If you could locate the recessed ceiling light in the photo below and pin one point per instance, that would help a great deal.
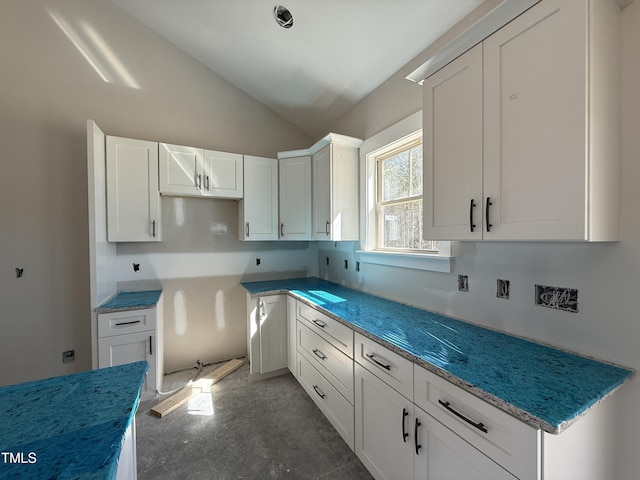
(283, 16)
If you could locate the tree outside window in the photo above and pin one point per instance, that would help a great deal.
(399, 200)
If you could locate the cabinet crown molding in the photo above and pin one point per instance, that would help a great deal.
(495, 19)
(323, 142)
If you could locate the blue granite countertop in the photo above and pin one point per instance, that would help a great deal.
(547, 388)
(69, 427)
(130, 301)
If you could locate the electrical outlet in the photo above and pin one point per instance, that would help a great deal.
(68, 356)
(502, 289)
(557, 298)
(463, 283)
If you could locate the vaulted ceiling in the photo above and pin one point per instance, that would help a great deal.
(336, 52)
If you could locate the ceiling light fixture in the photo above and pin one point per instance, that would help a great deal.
(283, 16)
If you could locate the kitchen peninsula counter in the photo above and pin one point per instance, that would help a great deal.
(78, 426)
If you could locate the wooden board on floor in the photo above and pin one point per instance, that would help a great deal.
(181, 397)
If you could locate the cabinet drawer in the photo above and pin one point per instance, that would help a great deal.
(129, 321)
(334, 332)
(334, 406)
(508, 441)
(390, 367)
(331, 362)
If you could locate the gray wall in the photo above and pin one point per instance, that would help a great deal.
(608, 324)
(47, 91)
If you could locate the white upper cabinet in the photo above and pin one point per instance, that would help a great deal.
(258, 210)
(452, 146)
(189, 171)
(181, 170)
(335, 188)
(295, 198)
(550, 130)
(222, 174)
(133, 200)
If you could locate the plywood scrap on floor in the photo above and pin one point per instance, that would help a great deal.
(203, 384)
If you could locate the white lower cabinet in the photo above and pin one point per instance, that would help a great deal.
(396, 440)
(505, 439)
(335, 407)
(403, 421)
(268, 341)
(383, 420)
(325, 367)
(292, 352)
(132, 336)
(439, 454)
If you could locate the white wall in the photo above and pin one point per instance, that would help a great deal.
(48, 89)
(607, 325)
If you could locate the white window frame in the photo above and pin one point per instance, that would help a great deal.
(404, 130)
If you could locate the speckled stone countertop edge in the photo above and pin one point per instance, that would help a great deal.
(104, 308)
(498, 402)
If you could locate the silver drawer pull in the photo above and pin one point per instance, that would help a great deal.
(480, 426)
(319, 323)
(319, 354)
(318, 391)
(371, 357)
(133, 322)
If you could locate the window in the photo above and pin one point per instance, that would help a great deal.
(392, 201)
(399, 199)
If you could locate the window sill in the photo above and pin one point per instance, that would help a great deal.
(435, 263)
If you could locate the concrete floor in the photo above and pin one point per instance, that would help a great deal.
(268, 429)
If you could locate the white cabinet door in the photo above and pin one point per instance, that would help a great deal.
(133, 347)
(258, 209)
(322, 194)
(274, 345)
(292, 351)
(550, 149)
(335, 192)
(295, 198)
(535, 168)
(383, 428)
(441, 455)
(195, 172)
(452, 146)
(133, 200)
(223, 174)
(181, 170)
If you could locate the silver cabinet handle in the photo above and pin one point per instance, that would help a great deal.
(327, 225)
(150, 345)
(371, 357)
(153, 229)
(247, 228)
(319, 323)
(206, 182)
(319, 392)
(281, 229)
(199, 181)
(319, 354)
